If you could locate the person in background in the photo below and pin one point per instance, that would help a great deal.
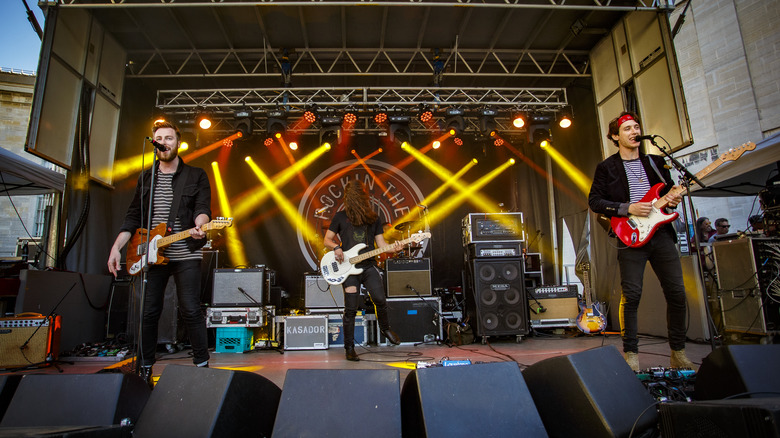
(619, 184)
(721, 227)
(756, 223)
(182, 199)
(704, 229)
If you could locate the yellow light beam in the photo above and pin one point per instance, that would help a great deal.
(247, 204)
(286, 207)
(445, 175)
(430, 199)
(123, 168)
(234, 245)
(291, 159)
(443, 209)
(578, 178)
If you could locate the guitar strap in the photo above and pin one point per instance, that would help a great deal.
(657, 172)
(177, 192)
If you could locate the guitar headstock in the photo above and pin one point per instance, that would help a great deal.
(735, 153)
(219, 223)
(419, 237)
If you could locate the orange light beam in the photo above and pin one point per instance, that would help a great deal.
(291, 159)
(362, 162)
(203, 151)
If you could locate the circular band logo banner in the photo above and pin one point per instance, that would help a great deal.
(393, 195)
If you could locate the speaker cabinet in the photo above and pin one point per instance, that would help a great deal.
(320, 294)
(489, 399)
(496, 301)
(414, 319)
(192, 402)
(8, 385)
(721, 418)
(241, 287)
(76, 399)
(737, 369)
(593, 393)
(339, 403)
(408, 272)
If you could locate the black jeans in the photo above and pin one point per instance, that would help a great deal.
(186, 274)
(372, 280)
(661, 252)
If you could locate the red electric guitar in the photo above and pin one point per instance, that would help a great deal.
(636, 231)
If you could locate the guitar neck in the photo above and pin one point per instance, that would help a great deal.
(167, 240)
(679, 190)
(373, 253)
(586, 287)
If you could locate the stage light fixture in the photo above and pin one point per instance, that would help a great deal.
(399, 130)
(454, 123)
(243, 122)
(330, 132)
(426, 114)
(487, 122)
(436, 144)
(269, 141)
(498, 141)
(518, 119)
(541, 137)
(276, 124)
(204, 120)
(380, 116)
(458, 141)
(310, 115)
(565, 118)
(350, 118)
(293, 145)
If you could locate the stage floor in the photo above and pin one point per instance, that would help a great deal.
(273, 364)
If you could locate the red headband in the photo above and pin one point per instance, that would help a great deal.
(624, 118)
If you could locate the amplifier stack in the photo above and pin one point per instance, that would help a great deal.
(494, 278)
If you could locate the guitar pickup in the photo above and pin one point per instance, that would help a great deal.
(631, 224)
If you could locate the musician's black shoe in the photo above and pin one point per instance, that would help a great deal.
(146, 374)
(351, 355)
(391, 336)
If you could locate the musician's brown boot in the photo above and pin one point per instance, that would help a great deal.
(632, 359)
(351, 355)
(680, 360)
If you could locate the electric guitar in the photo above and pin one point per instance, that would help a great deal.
(636, 231)
(336, 273)
(136, 248)
(591, 319)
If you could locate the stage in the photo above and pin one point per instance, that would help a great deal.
(274, 363)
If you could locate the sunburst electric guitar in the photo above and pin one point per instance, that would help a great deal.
(158, 241)
(591, 319)
(336, 273)
(636, 231)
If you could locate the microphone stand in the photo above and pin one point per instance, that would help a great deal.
(145, 274)
(437, 339)
(686, 177)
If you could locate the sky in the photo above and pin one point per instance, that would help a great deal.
(20, 46)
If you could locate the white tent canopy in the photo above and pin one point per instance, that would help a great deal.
(19, 176)
(745, 176)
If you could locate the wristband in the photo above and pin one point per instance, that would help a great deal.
(336, 247)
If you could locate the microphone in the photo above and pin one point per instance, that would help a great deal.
(161, 147)
(645, 137)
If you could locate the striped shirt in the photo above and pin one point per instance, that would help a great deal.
(638, 183)
(163, 199)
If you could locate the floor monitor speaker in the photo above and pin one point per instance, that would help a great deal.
(737, 369)
(496, 301)
(191, 401)
(489, 399)
(721, 418)
(339, 403)
(593, 393)
(43, 400)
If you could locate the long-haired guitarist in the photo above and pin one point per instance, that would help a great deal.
(182, 199)
(619, 186)
(359, 223)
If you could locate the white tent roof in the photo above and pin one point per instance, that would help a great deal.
(745, 176)
(19, 176)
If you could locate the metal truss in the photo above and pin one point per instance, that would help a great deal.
(604, 5)
(222, 104)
